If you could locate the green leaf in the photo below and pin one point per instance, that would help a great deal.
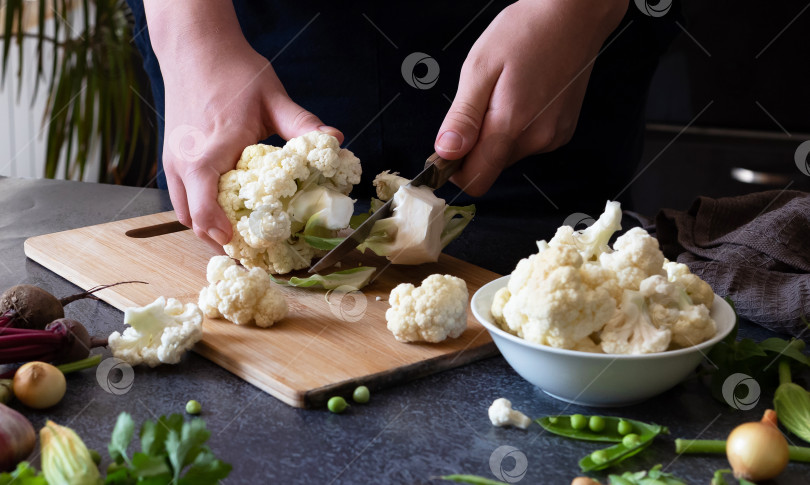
(150, 466)
(787, 348)
(792, 404)
(121, 437)
(206, 470)
(456, 219)
(355, 277)
(358, 219)
(324, 243)
(24, 474)
(183, 449)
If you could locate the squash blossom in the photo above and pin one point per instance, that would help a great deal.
(65, 458)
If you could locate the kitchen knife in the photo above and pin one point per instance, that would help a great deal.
(437, 171)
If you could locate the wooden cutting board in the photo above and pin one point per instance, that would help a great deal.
(324, 347)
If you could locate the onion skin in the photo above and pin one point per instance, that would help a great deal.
(758, 450)
(39, 385)
(17, 438)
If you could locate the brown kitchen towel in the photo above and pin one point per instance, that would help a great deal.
(754, 248)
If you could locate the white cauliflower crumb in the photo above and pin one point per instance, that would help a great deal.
(241, 296)
(502, 414)
(159, 333)
(431, 312)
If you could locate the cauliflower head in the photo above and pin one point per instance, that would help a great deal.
(276, 195)
(502, 414)
(635, 256)
(558, 300)
(672, 308)
(435, 310)
(159, 333)
(241, 296)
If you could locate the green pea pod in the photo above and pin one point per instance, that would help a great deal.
(613, 454)
(472, 479)
(561, 425)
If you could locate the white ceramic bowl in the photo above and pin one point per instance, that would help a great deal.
(591, 379)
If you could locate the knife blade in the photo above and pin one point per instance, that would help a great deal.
(435, 174)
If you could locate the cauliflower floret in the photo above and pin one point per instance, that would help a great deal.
(502, 414)
(631, 331)
(671, 308)
(159, 333)
(556, 300)
(498, 302)
(431, 312)
(388, 183)
(258, 194)
(698, 290)
(636, 256)
(241, 296)
(591, 241)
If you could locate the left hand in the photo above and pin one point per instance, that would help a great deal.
(522, 85)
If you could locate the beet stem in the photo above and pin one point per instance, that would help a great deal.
(98, 342)
(89, 293)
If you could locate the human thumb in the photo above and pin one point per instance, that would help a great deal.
(291, 120)
(462, 124)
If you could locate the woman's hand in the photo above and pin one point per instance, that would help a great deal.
(221, 96)
(522, 85)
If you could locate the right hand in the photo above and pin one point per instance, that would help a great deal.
(218, 103)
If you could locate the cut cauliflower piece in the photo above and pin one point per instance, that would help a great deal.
(388, 183)
(631, 330)
(698, 290)
(431, 312)
(241, 296)
(502, 414)
(557, 300)
(636, 256)
(259, 196)
(593, 240)
(159, 333)
(670, 307)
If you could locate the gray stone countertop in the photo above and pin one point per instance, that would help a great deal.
(407, 434)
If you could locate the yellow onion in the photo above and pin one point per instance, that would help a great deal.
(757, 451)
(39, 385)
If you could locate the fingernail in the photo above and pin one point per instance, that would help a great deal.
(450, 141)
(218, 236)
(327, 129)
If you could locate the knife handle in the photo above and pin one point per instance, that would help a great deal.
(444, 169)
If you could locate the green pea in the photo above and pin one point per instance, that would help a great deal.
(553, 419)
(578, 421)
(337, 404)
(599, 457)
(624, 427)
(193, 407)
(597, 424)
(96, 456)
(361, 395)
(631, 440)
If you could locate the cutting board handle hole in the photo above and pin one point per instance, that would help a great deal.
(156, 230)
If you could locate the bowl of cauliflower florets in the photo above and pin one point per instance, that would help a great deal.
(602, 326)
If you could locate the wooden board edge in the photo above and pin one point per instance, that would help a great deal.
(318, 397)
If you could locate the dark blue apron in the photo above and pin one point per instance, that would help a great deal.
(346, 66)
